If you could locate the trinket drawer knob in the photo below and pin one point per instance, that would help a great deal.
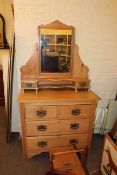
(29, 84)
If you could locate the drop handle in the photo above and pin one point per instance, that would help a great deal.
(42, 127)
(73, 141)
(75, 111)
(42, 144)
(74, 126)
(41, 113)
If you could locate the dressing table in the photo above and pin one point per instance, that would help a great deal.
(57, 108)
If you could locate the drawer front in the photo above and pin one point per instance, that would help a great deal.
(41, 143)
(79, 140)
(28, 84)
(40, 112)
(41, 127)
(62, 126)
(75, 111)
(47, 142)
(74, 126)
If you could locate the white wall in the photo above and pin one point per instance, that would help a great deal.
(96, 34)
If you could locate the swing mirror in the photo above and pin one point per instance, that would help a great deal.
(56, 48)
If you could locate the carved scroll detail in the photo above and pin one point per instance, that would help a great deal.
(31, 69)
(79, 69)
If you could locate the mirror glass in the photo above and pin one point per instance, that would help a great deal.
(55, 50)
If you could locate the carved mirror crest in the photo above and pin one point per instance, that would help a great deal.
(3, 41)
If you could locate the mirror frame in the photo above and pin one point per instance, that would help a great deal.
(58, 26)
(5, 43)
(33, 79)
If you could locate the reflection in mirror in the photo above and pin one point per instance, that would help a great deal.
(55, 50)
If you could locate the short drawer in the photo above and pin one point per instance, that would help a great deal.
(40, 112)
(75, 111)
(29, 84)
(41, 127)
(74, 126)
(79, 140)
(41, 143)
(60, 126)
(46, 142)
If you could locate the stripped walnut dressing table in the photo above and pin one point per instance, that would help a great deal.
(54, 112)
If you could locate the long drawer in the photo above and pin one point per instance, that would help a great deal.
(46, 142)
(40, 112)
(60, 126)
(75, 111)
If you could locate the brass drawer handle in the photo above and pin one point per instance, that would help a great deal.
(41, 113)
(74, 126)
(76, 111)
(73, 141)
(29, 84)
(42, 144)
(42, 127)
